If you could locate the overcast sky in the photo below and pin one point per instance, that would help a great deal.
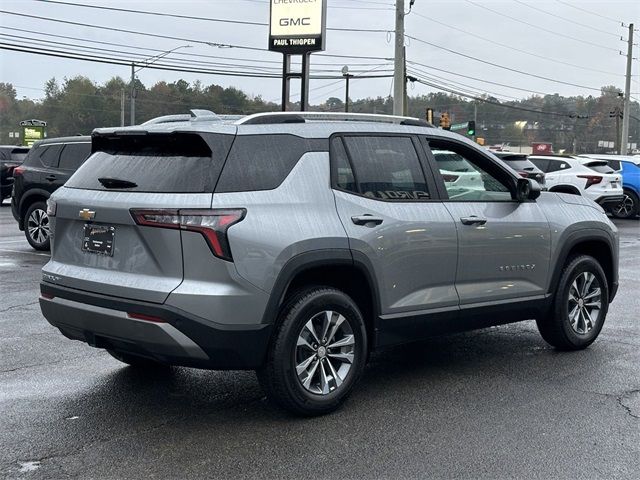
(573, 41)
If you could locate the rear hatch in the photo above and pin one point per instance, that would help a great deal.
(98, 246)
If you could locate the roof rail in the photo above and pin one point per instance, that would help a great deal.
(302, 117)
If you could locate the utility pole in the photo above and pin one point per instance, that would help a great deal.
(626, 113)
(122, 107)
(399, 65)
(133, 94)
(475, 118)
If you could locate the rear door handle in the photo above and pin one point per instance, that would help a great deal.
(473, 220)
(366, 219)
(51, 178)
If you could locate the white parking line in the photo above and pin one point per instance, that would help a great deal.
(22, 251)
(12, 241)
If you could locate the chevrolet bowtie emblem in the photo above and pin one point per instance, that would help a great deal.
(86, 214)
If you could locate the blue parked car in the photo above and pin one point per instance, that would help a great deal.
(629, 167)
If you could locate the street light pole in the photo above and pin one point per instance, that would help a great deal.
(146, 63)
(347, 76)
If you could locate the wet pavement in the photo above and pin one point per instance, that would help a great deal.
(486, 404)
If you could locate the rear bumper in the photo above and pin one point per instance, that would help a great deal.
(177, 338)
(609, 200)
(14, 212)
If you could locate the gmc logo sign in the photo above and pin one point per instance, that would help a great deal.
(295, 22)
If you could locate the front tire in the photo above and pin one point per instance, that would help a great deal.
(317, 354)
(36, 226)
(579, 307)
(628, 207)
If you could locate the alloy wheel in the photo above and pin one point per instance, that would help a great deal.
(584, 303)
(325, 352)
(625, 207)
(38, 226)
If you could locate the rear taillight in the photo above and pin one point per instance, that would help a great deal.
(146, 318)
(450, 178)
(212, 224)
(591, 179)
(52, 206)
(523, 174)
(18, 171)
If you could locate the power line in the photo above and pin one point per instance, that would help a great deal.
(181, 53)
(192, 17)
(590, 12)
(553, 32)
(491, 102)
(501, 66)
(510, 47)
(476, 78)
(157, 66)
(556, 16)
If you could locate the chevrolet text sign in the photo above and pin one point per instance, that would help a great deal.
(297, 26)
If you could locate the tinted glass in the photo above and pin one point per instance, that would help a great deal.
(49, 155)
(556, 165)
(342, 170)
(451, 162)
(600, 168)
(469, 185)
(73, 155)
(541, 163)
(615, 164)
(387, 168)
(521, 165)
(262, 162)
(176, 163)
(18, 154)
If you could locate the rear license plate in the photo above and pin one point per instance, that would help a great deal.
(98, 239)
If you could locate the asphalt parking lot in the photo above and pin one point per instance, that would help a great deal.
(493, 403)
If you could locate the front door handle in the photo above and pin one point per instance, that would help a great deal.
(366, 219)
(473, 220)
(51, 178)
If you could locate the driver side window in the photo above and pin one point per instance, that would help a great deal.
(464, 179)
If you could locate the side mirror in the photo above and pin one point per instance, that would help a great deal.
(527, 189)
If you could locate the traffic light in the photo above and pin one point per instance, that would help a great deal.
(445, 122)
(471, 128)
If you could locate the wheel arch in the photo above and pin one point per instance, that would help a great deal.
(334, 268)
(595, 243)
(29, 198)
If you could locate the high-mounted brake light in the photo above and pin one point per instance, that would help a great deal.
(591, 179)
(212, 224)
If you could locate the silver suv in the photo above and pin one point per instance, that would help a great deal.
(296, 244)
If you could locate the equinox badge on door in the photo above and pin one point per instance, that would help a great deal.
(86, 214)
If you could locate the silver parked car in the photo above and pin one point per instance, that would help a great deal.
(296, 244)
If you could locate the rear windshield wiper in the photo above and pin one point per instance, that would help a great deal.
(116, 183)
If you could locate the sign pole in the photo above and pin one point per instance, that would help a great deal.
(286, 68)
(304, 83)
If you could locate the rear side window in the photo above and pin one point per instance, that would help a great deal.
(181, 163)
(386, 168)
(49, 155)
(615, 164)
(556, 165)
(73, 155)
(262, 162)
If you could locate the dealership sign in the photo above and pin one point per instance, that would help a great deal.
(297, 26)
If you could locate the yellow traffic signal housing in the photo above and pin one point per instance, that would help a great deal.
(445, 122)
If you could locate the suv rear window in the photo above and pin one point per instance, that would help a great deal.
(179, 163)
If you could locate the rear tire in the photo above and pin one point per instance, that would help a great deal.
(305, 372)
(629, 207)
(36, 226)
(136, 361)
(579, 307)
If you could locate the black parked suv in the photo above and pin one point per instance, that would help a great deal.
(11, 156)
(46, 168)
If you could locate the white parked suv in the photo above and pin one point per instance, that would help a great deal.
(581, 176)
